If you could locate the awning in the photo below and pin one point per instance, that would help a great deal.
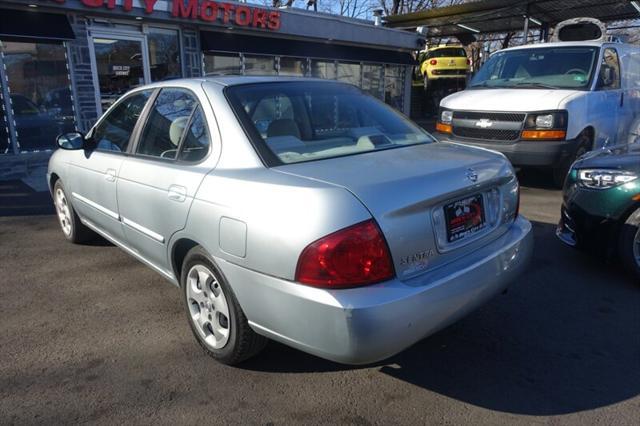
(497, 16)
(226, 42)
(32, 26)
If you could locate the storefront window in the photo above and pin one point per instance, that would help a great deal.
(40, 93)
(323, 69)
(372, 80)
(349, 72)
(222, 63)
(5, 143)
(164, 54)
(293, 66)
(259, 65)
(394, 86)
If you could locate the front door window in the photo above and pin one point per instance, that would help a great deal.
(115, 130)
(120, 66)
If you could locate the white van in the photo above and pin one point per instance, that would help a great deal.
(543, 105)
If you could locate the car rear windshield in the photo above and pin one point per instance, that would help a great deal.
(448, 52)
(293, 122)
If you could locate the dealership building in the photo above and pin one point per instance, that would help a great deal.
(63, 62)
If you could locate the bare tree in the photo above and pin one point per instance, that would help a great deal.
(398, 7)
(280, 3)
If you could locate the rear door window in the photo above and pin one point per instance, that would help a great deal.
(196, 143)
(166, 124)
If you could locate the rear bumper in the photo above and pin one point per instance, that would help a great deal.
(527, 153)
(368, 324)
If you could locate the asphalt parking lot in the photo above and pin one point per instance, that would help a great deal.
(91, 335)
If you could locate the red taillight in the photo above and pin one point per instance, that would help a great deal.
(354, 256)
(468, 61)
(433, 62)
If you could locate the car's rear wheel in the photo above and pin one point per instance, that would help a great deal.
(630, 243)
(425, 81)
(215, 316)
(72, 228)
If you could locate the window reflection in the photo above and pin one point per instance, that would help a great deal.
(372, 80)
(323, 69)
(40, 94)
(166, 123)
(293, 66)
(222, 63)
(394, 86)
(259, 65)
(120, 67)
(164, 54)
(349, 73)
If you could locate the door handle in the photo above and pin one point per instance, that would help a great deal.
(177, 193)
(110, 175)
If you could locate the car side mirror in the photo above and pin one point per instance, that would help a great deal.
(71, 141)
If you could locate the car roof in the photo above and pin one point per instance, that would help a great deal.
(559, 44)
(234, 80)
(446, 46)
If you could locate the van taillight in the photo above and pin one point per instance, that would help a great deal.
(354, 256)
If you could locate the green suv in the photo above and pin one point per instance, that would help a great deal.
(601, 204)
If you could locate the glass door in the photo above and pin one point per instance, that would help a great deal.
(121, 63)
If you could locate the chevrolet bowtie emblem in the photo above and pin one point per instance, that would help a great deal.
(484, 123)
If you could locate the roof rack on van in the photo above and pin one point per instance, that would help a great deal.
(580, 29)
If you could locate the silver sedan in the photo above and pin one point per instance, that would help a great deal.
(298, 210)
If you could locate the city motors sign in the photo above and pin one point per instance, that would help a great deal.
(205, 10)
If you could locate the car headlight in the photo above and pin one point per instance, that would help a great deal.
(547, 120)
(550, 125)
(544, 121)
(446, 116)
(604, 178)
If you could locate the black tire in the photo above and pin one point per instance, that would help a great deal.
(630, 244)
(425, 82)
(76, 232)
(243, 343)
(583, 145)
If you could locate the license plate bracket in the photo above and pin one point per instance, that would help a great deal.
(464, 217)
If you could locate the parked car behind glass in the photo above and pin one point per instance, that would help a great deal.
(298, 210)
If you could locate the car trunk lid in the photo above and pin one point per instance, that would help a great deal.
(406, 190)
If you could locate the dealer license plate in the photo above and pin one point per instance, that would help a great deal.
(464, 217)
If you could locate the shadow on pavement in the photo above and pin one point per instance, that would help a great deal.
(536, 178)
(565, 338)
(19, 199)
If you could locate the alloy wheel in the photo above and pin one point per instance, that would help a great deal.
(208, 307)
(64, 214)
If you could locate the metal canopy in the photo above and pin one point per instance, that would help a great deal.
(499, 16)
